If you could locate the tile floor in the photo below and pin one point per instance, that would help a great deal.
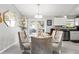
(68, 47)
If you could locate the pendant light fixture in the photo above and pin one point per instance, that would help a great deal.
(65, 17)
(38, 14)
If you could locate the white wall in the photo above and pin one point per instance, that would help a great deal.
(8, 35)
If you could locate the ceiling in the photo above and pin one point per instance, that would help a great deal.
(48, 10)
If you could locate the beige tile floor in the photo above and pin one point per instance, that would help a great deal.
(68, 47)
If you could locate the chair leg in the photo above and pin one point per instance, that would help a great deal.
(26, 52)
(56, 51)
(59, 51)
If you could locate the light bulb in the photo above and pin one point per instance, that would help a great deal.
(38, 16)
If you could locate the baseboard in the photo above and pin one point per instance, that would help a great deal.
(8, 47)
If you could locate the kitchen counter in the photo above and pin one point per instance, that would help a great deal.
(69, 29)
(66, 32)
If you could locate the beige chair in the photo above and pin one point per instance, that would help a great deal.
(41, 45)
(25, 45)
(57, 37)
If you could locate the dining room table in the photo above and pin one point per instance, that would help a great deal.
(41, 44)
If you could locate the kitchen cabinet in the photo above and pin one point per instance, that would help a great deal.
(59, 21)
(76, 21)
(74, 35)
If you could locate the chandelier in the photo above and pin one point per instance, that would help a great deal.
(38, 15)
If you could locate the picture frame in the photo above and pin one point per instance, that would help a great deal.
(49, 22)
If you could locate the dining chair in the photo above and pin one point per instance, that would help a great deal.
(25, 45)
(57, 37)
(41, 45)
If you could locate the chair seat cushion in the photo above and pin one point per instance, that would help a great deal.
(55, 44)
(27, 46)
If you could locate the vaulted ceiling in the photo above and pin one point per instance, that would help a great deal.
(48, 10)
